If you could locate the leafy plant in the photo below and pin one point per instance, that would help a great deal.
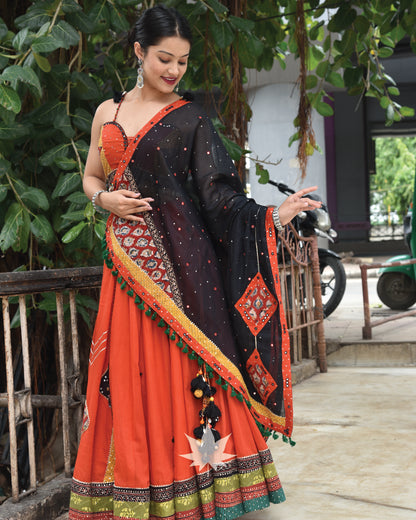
(60, 58)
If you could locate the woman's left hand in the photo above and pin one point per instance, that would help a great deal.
(296, 203)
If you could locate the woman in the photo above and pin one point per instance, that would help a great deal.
(190, 331)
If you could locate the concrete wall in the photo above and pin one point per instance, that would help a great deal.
(273, 97)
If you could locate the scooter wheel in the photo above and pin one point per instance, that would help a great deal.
(396, 290)
(333, 281)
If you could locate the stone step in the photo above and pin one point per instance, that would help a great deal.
(374, 354)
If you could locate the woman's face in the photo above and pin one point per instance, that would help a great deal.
(164, 64)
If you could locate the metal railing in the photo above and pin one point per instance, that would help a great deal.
(302, 297)
(368, 323)
(20, 403)
(301, 292)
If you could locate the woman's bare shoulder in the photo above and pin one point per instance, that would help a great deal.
(105, 111)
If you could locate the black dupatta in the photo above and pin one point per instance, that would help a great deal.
(205, 268)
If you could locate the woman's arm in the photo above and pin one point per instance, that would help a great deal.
(123, 203)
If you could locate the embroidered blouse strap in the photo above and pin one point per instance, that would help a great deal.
(119, 104)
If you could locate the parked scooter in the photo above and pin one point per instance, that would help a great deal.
(396, 287)
(317, 222)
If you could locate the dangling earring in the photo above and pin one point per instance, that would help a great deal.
(140, 81)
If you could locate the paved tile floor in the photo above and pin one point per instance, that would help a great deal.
(355, 456)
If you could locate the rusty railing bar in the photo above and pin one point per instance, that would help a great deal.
(64, 382)
(43, 401)
(75, 382)
(48, 280)
(28, 385)
(319, 311)
(368, 325)
(11, 403)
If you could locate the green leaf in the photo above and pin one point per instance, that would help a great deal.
(13, 130)
(65, 163)
(81, 21)
(232, 148)
(222, 33)
(10, 99)
(311, 81)
(16, 73)
(353, 76)
(342, 19)
(99, 228)
(241, 24)
(74, 216)
(118, 21)
(35, 198)
(36, 16)
(15, 231)
(248, 49)
(324, 109)
(394, 91)
(20, 38)
(85, 86)
(78, 197)
(46, 44)
(66, 184)
(70, 6)
(49, 157)
(348, 40)
(335, 79)
(322, 69)
(315, 30)
(63, 122)
(3, 29)
(73, 233)
(100, 17)
(42, 62)
(42, 229)
(362, 24)
(262, 173)
(65, 34)
(217, 6)
(384, 102)
(385, 52)
(407, 111)
(3, 193)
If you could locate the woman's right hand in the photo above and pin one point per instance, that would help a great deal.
(125, 204)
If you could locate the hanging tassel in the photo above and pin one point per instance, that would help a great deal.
(212, 411)
(199, 385)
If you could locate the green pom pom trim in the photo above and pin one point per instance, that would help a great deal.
(130, 292)
(161, 323)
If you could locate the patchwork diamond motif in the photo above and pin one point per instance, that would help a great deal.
(260, 377)
(256, 305)
(137, 241)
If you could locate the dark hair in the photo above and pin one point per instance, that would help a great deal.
(159, 22)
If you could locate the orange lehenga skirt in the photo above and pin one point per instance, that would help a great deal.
(135, 459)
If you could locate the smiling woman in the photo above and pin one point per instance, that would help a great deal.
(190, 330)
